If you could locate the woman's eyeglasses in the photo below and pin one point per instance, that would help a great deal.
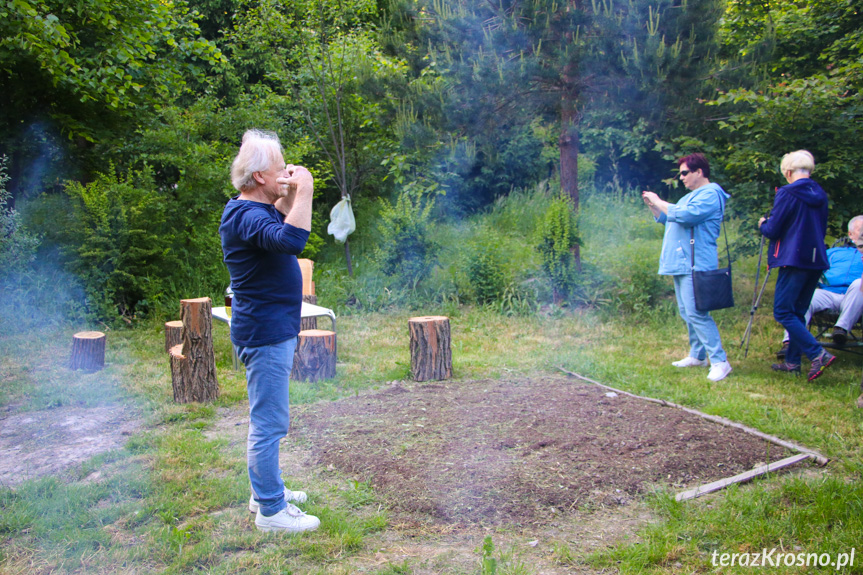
(685, 172)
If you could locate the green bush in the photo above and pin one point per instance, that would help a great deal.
(519, 298)
(485, 268)
(17, 246)
(520, 211)
(558, 234)
(637, 287)
(117, 242)
(26, 277)
(405, 251)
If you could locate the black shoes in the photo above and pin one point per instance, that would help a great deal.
(780, 355)
(786, 367)
(840, 336)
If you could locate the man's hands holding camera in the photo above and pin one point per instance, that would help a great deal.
(296, 201)
(299, 179)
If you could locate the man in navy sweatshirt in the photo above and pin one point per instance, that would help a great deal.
(263, 229)
(796, 229)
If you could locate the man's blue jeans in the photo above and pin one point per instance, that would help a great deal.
(268, 369)
(704, 340)
(794, 289)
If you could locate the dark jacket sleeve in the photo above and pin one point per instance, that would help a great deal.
(774, 227)
(272, 236)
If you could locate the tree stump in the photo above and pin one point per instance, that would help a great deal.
(431, 356)
(88, 351)
(308, 323)
(307, 267)
(315, 358)
(193, 362)
(173, 334)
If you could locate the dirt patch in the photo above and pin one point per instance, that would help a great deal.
(39, 443)
(518, 451)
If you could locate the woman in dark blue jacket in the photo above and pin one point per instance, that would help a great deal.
(796, 228)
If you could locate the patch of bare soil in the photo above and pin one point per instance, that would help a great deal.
(518, 451)
(39, 443)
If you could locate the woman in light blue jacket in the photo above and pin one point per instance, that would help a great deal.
(698, 213)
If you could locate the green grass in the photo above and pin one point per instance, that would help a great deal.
(179, 495)
(173, 499)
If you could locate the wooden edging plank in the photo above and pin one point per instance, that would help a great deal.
(741, 478)
(803, 452)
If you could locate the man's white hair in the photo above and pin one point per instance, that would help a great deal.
(856, 223)
(799, 161)
(257, 153)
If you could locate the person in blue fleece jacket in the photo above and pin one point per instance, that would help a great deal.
(796, 228)
(263, 229)
(698, 215)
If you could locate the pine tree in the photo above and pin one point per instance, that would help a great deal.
(558, 58)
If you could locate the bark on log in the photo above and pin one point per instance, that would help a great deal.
(431, 355)
(88, 351)
(193, 362)
(315, 358)
(178, 362)
(308, 323)
(173, 334)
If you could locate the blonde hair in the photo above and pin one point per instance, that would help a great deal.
(257, 153)
(799, 161)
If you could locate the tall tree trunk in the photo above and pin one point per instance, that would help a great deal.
(348, 258)
(568, 143)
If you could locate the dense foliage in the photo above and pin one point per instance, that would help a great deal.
(17, 246)
(802, 89)
(558, 235)
(120, 121)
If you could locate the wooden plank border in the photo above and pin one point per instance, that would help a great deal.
(741, 478)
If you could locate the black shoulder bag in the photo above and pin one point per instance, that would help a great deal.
(712, 288)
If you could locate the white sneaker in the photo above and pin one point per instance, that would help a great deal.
(719, 371)
(289, 519)
(689, 361)
(296, 496)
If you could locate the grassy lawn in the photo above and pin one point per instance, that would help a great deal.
(173, 497)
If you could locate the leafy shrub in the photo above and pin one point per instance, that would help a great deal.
(558, 234)
(643, 288)
(594, 286)
(405, 251)
(17, 246)
(485, 269)
(520, 211)
(365, 291)
(118, 243)
(23, 305)
(26, 281)
(519, 299)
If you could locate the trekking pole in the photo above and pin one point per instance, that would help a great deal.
(756, 297)
(752, 313)
(758, 271)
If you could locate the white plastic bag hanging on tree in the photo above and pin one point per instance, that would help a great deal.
(342, 222)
